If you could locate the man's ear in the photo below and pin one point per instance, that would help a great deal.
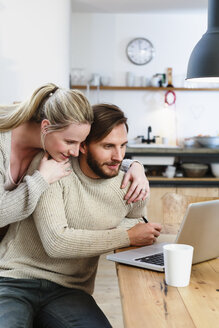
(83, 148)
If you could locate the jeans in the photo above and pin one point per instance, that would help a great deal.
(36, 303)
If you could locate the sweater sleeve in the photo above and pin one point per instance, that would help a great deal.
(138, 210)
(126, 163)
(18, 204)
(61, 241)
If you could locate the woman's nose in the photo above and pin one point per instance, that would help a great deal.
(74, 151)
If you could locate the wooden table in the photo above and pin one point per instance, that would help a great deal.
(148, 302)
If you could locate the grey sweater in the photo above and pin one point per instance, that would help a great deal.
(75, 221)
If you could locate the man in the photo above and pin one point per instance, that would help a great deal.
(78, 218)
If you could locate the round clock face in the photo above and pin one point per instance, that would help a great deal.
(140, 51)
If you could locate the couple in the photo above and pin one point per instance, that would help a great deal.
(49, 261)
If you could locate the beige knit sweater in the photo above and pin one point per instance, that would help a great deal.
(75, 221)
(19, 203)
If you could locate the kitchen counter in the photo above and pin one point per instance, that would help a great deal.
(174, 151)
(181, 155)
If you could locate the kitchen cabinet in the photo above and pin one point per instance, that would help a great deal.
(181, 155)
(158, 196)
(200, 189)
(154, 204)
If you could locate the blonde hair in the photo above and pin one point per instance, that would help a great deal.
(58, 105)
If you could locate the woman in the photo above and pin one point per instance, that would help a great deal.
(48, 262)
(23, 128)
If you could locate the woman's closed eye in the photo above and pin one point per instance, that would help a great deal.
(71, 142)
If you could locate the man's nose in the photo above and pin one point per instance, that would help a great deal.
(118, 155)
(74, 151)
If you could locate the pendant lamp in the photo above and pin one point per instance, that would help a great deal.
(203, 64)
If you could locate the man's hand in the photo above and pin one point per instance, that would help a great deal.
(139, 188)
(143, 234)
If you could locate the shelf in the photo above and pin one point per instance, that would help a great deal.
(183, 182)
(206, 179)
(124, 88)
(207, 152)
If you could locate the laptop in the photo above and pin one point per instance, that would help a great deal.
(199, 228)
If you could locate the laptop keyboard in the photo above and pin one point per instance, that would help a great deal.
(152, 259)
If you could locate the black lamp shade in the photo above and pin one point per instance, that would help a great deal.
(204, 61)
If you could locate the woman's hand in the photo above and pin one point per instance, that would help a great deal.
(139, 188)
(52, 170)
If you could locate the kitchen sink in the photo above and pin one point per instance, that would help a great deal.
(152, 160)
(155, 160)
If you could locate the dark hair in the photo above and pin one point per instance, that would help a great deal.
(106, 117)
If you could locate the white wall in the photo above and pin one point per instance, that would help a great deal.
(98, 45)
(34, 46)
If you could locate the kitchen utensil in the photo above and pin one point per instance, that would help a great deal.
(209, 142)
(130, 79)
(144, 81)
(169, 172)
(215, 169)
(169, 77)
(194, 170)
(155, 80)
(105, 80)
(77, 76)
(178, 264)
(158, 80)
(190, 143)
(165, 141)
(95, 80)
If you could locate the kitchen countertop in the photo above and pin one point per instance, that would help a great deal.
(171, 150)
(181, 154)
(201, 155)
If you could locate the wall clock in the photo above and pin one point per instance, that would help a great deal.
(140, 51)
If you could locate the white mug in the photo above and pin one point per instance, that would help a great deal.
(170, 171)
(177, 263)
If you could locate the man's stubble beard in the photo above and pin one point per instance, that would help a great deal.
(97, 168)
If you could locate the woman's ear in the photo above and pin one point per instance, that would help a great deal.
(83, 148)
(44, 125)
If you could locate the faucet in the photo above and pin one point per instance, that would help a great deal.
(148, 140)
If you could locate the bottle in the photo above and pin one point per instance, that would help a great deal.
(169, 77)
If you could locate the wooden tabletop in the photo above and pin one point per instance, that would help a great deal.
(148, 302)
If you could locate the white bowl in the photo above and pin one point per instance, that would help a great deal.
(190, 143)
(215, 169)
(209, 142)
